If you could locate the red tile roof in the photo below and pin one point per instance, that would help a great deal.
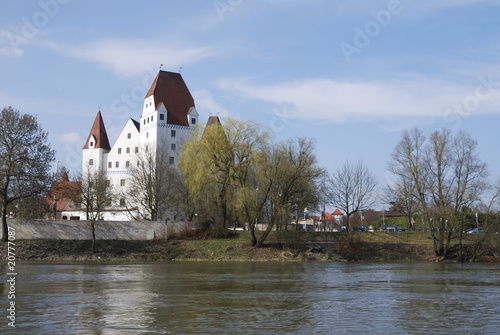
(99, 131)
(65, 191)
(337, 212)
(170, 89)
(328, 216)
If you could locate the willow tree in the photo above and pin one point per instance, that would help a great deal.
(215, 163)
(25, 161)
(287, 174)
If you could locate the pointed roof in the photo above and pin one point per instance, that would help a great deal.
(170, 89)
(99, 131)
(337, 212)
(213, 120)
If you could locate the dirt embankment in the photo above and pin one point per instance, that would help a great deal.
(218, 250)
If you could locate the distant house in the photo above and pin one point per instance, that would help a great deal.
(63, 196)
(338, 215)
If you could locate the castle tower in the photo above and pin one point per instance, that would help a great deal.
(96, 146)
(167, 114)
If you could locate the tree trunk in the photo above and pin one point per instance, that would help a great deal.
(253, 238)
(92, 228)
(4, 223)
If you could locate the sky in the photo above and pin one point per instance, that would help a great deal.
(350, 74)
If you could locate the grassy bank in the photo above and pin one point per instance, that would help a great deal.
(282, 246)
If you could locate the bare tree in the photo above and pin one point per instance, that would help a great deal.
(351, 188)
(95, 194)
(153, 182)
(25, 160)
(447, 174)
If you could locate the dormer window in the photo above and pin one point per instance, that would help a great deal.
(91, 143)
(162, 117)
(193, 120)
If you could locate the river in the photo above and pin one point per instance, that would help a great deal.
(254, 298)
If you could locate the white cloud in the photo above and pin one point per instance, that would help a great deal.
(72, 139)
(206, 103)
(130, 57)
(412, 96)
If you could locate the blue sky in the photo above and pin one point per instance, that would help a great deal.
(351, 74)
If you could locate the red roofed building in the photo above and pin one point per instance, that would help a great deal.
(168, 113)
(63, 195)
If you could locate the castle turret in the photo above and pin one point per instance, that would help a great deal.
(96, 146)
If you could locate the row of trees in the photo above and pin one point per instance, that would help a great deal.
(236, 172)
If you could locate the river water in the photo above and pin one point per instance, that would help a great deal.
(254, 298)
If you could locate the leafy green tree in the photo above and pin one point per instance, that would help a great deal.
(26, 158)
(216, 162)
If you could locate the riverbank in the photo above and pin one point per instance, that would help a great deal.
(233, 249)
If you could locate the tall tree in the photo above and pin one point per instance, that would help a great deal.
(95, 194)
(351, 188)
(216, 163)
(447, 175)
(287, 176)
(25, 161)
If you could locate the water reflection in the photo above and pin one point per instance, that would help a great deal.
(250, 298)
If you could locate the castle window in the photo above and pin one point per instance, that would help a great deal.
(129, 135)
(117, 164)
(147, 135)
(128, 150)
(151, 118)
(171, 160)
(136, 150)
(162, 117)
(144, 121)
(91, 161)
(122, 182)
(172, 133)
(127, 164)
(122, 202)
(110, 165)
(91, 143)
(172, 146)
(119, 151)
(193, 120)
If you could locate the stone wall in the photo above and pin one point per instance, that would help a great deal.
(105, 230)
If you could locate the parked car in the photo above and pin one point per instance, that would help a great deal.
(476, 230)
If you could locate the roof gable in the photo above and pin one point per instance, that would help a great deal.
(170, 89)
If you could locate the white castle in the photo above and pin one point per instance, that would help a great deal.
(168, 114)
